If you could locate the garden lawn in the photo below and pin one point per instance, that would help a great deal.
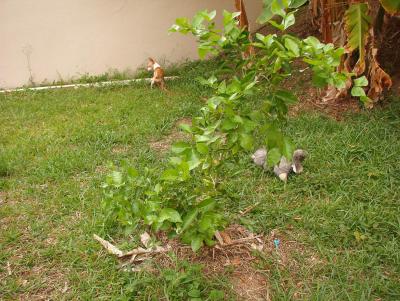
(338, 223)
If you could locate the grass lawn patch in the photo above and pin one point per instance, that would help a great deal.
(338, 223)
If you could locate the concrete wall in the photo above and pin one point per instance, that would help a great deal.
(49, 40)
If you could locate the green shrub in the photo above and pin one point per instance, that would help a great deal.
(187, 198)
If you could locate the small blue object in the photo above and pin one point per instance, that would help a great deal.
(276, 243)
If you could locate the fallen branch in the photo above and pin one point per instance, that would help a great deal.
(140, 251)
(109, 246)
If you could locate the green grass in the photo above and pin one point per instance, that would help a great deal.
(55, 147)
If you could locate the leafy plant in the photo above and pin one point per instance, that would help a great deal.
(357, 23)
(359, 36)
(186, 199)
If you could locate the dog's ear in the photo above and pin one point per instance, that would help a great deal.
(151, 60)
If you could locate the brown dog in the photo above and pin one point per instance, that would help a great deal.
(158, 73)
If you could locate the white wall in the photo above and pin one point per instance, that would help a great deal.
(60, 39)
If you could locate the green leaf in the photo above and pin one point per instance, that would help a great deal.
(266, 13)
(194, 293)
(319, 79)
(313, 42)
(202, 138)
(211, 15)
(288, 20)
(246, 141)
(202, 148)
(183, 22)
(133, 173)
(274, 138)
(274, 156)
(271, 8)
(288, 148)
(194, 160)
(228, 18)
(170, 175)
(297, 3)
(366, 101)
(175, 160)
(276, 25)
(189, 218)
(249, 125)
(228, 124)
(214, 102)
(222, 87)
(205, 223)
(197, 243)
(361, 82)
(202, 52)
(149, 219)
(357, 91)
(216, 295)
(357, 23)
(157, 188)
(116, 178)
(278, 7)
(184, 170)
(185, 127)
(180, 147)
(292, 46)
(206, 205)
(286, 96)
(260, 36)
(237, 119)
(391, 6)
(169, 214)
(198, 19)
(339, 80)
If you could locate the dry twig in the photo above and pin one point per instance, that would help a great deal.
(109, 246)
